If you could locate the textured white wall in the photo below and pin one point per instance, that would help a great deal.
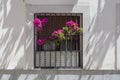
(101, 47)
(118, 34)
(12, 34)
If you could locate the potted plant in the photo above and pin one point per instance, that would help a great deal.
(58, 35)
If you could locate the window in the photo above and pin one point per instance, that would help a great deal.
(69, 53)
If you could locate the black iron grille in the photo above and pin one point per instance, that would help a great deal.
(69, 54)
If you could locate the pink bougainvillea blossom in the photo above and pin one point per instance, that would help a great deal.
(44, 21)
(37, 22)
(55, 33)
(60, 31)
(75, 29)
(58, 35)
(71, 24)
(40, 23)
(40, 42)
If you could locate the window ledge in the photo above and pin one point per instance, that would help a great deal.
(56, 71)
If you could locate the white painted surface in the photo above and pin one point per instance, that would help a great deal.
(118, 34)
(50, 2)
(101, 43)
(12, 34)
(57, 75)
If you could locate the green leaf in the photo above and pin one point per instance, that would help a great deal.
(65, 29)
(61, 36)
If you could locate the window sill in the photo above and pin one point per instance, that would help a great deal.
(60, 72)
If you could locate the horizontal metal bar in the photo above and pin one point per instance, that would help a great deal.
(58, 14)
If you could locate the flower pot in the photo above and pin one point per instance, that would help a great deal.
(49, 46)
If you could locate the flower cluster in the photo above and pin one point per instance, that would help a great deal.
(71, 24)
(58, 35)
(39, 23)
(72, 28)
(43, 41)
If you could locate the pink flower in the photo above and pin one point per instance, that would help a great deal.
(55, 33)
(40, 42)
(71, 23)
(37, 22)
(44, 21)
(60, 31)
(77, 28)
(76, 24)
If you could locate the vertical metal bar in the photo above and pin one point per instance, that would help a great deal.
(55, 46)
(42, 16)
(50, 47)
(50, 57)
(60, 56)
(65, 62)
(71, 46)
(35, 43)
(77, 51)
(40, 47)
(39, 59)
(66, 48)
(76, 46)
(60, 45)
(79, 41)
(44, 58)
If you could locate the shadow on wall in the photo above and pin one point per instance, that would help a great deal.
(53, 77)
(50, 77)
(118, 33)
(12, 34)
(27, 77)
(101, 42)
(56, 76)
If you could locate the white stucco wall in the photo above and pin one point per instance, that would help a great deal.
(12, 34)
(100, 37)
